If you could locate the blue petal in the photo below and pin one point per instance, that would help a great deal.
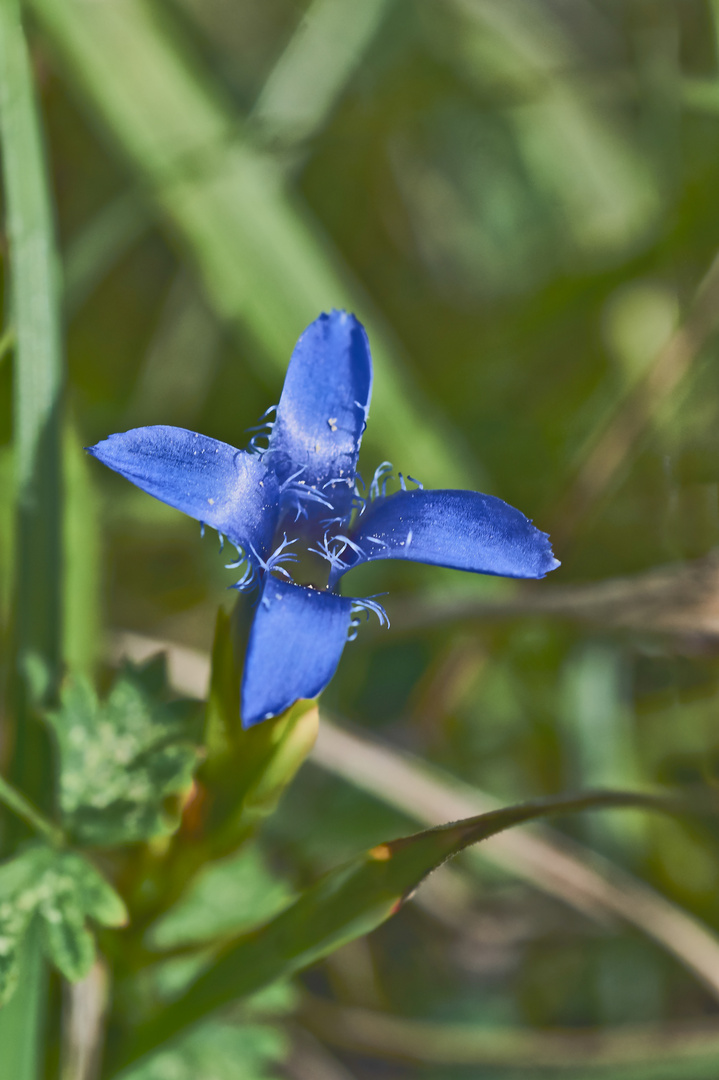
(228, 489)
(322, 412)
(295, 645)
(460, 529)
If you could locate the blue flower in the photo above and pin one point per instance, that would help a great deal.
(302, 492)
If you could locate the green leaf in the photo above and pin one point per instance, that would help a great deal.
(226, 897)
(60, 890)
(23, 1016)
(345, 904)
(97, 897)
(218, 1051)
(39, 369)
(121, 759)
(307, 80)
(68, 944)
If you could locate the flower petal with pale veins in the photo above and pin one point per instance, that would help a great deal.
(323, 410)
(295, 645)
(228, 489)
(460, 529)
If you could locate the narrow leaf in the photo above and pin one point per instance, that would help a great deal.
(345, 904)
(226, 897)
(219, 1051)
(39, 367)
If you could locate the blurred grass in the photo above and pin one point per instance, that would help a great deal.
(519, 199)
(262, 260)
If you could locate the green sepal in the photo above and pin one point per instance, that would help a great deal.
(250, 768)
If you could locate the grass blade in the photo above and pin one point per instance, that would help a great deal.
(308, 78)
(23, 1017)
(39, 364)
(38, 385)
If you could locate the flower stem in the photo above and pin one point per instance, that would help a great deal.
(7, 342)
(24, 809)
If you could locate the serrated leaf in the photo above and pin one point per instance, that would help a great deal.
(98, 898)
(121, 759)
(60, 890)
(347, 903)
(66, 941)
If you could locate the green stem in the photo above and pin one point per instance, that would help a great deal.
(7, 341)
(24, 809)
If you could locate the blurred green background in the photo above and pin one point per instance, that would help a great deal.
(518, 198)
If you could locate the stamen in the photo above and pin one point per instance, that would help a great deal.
(367, 605)
(241, 557)
(262, 430)
(332, 521)
(279, 555)
(382, 472)
(248, 579)
(325, 552)
(272, 408)
(290, 479)
(302, 492)
(253, 446)
(364, 409)
(349, 544)
(382, 476)
(337, 480)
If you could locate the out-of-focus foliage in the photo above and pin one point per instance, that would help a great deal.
(518, 198)
(216, 1051)
(61, 890)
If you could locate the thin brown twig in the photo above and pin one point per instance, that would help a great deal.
(84, 1012)
(368, 1031)
(679, 601)
(545, 858)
